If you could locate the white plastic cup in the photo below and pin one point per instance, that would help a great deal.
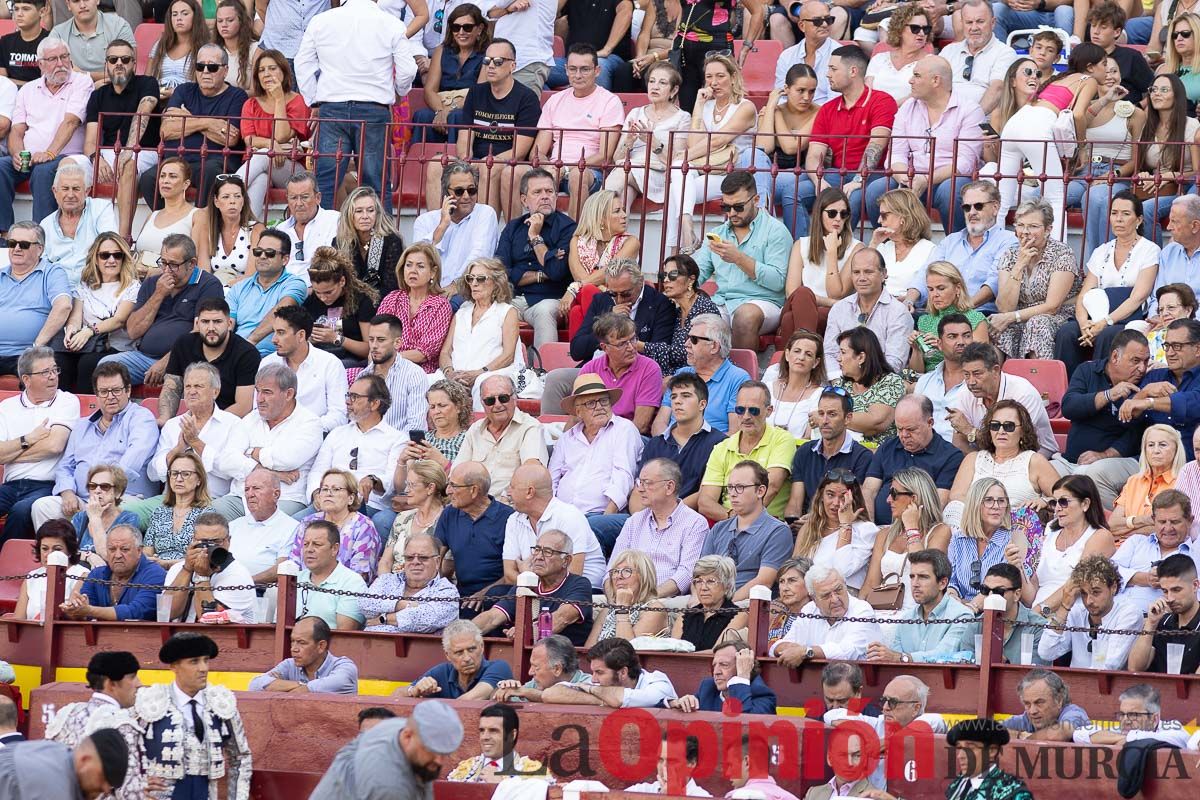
(1027, 648)
(163, 606)
(1175, 658)
(1099, 652)
(978, 648)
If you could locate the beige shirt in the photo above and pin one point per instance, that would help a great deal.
(521, 441)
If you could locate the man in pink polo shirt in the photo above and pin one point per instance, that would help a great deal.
(48, 122)
(623, 367)
(574, 126)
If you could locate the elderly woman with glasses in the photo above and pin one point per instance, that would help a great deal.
(838, 532)
(424, 485)
(630, 592)
(714, 618)
(985, 537)
(1162, 460)
(104, 299)
(791, 597)
(427, 601)
(338, 500)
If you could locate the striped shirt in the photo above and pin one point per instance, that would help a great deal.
(673, 549)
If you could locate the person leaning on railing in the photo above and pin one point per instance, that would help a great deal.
(55, 536)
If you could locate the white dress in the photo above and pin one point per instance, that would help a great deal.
(900, 274)
(1013, 474)
(1054, 566)
(650, 182)
(101, 304)
(813, 275)
(150, 239)
(792, 417)
(889, 80)
(852, 560)
(35, 588)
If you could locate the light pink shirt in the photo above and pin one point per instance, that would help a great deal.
(960, 120)
(587, 115)
(770, 789)
(43, 111)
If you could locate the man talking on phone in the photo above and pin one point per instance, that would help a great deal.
(217, 582)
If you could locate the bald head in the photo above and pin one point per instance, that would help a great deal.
(914, 422)
(535, 477)
(469, 485)
(932, 80)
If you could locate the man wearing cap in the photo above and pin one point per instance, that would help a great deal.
(194, 733)
(113, 679)
(398, 759)
(594, 463)
(45, 769)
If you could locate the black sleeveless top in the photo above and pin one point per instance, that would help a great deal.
(704, 631)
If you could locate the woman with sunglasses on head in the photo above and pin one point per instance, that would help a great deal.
(795, 382)
(341, 306)
(1077, 530)
(874, 387)
(178, 214)
(908, 37)
(106, 484)
(681, 285)
(173, 56)
(173, 524)
(483, 336)
(947, 292)
(916, 525)
(103, 300)
(424, 485)
(838, 532)
(984, 537)
(706, 29)
(275, 120)
(421, 305)
(227, 232)
(821, 260)
(233, 29)
(630, 590)
(454, 67)
(651, 133)
(367, 236)
(790, 599)
(600, 238)
(1021, 83)
(1163, 457)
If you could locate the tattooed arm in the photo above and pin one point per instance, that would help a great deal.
(168, 399)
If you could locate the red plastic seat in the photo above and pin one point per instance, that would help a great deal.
(556, 355)
(88, 404)
(10, 383)
(16, 558)
(151, 405)
(146, 36)
(747, 360)
(1048, 377)
(758, 73)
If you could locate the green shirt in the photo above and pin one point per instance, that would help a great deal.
(769, 244)
(775, 450)
(928, 323)
(887, 390)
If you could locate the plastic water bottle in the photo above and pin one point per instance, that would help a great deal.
(545, 626)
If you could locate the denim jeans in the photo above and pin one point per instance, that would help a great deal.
(41, 181)
(356, 128)
(558, 72)
(945, 200)
(16, 499)
(607, 528)
(135, 361)
(1008, 20)
(423, 118)
(797, 199)
(1137, 30)
(1093, 198)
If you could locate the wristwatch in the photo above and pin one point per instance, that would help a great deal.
(25, 445)
(383, 619)
(534, 241)
(809, 653)
(971, 436)
(905, 658)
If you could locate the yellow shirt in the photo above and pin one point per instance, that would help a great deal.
(774, 451)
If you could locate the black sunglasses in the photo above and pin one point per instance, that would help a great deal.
(821, 22)
(834, 213)
(488, 61)
(694, 339)
(742, 411)
(737, 208)
(968, 68)
(502, 399)
(1061, 502)
(264, 252)
(438, 16)
(894, 493)
(919, 29)
(1184, 33)
(462, 27)
(107, 254)
(206, 67)
(1007, 427)
(673, 275)
(969, 207)
(119, 59)
(20, 245)
(459, 191)
(1000, 590)
(841, 475)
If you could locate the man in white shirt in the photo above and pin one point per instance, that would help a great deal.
(618, 681)
(406, 382)
(529, 25)
(1138, 717)
(353, 62)
(203, 429)
(673, 771)
(308, 225)
(280, 435)
(816, 23)
(980, 60)
(263, 537)
(538, 510)
(218, 582)
(367, 446)
(816, 638)
(1089, 600)
(463, 229)
(985, 386)
(34, 428)
(320, 376)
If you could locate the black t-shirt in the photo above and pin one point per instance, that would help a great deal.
(115, 106)
(1191, 645)
(238, 365)
(19, 57)
(517, 113)
(589, 22)
(351, 323)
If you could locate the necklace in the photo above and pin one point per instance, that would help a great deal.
(787, 426)
(719, 113)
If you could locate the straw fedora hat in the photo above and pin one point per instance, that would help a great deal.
(588, 385)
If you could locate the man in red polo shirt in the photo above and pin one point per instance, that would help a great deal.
(850, 133)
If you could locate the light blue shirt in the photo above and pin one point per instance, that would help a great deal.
(933, 385)
(1136, 555)
(769, 244)
(70, 253)
(336, 675)
(977, 265)
(129, 443)
(314, 603)
(935, 642)
(249, 303)
(1175, 266)
(722, 394)
(27, 303)
(284, 27)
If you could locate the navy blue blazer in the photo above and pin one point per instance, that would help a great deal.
(757, 698)
(656, 318)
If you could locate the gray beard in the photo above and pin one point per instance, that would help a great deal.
(120, 81)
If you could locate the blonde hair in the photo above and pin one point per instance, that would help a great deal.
(972, 515)
(944, 269)
(1173, 62)
(919, 482)
(91, 277)
(328, 264)
(1172, 434)
(594, 215)
(435, 264)
(503, 291)
(905, 204)
(347, 236)
(737, 86)
(351, 485)
(647, 576)
(430, 472)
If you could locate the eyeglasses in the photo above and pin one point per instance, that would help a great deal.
(20, 244)
(502, 399)
(620, 572)
(115, 255)
(1164, 90)
(821, 22)
(422, 560)
(462, 27)
(1184, 33)
(207, 67)
(354, 396)
(99, 487)
(264, 252)
(626, 296)
(1126, 714)
(995, 502)
(53, 59)
(738, 488)
(498, 61)
(968, 68)
(595, 402)
(181, 473)
(48, 372)
(969, 207)
(892, 702)
(628, 344)
(705, 583)
(112, 392)
(841, 475)
(1000, 590)
(453, 485)
(736, 208)
(126, 60)
(695, 340)
(539, 550)
(997, 425)
(332, 490)
(645, 482)
(742, 411)
(1177, 347)
(917, 30)
(164, 264)
(1061, 502)
(478, 280)
(579, 70)
(835, 213)
(459, 191)
(894, 493)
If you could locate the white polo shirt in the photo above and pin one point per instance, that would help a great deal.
(988, 65)
(259, 545)
(519, 537)
(19, 415)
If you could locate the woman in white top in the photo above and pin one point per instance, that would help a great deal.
(234, 32)
(908, 35)
(1129, 261)
(838, 532)
(1078, 530)
(723, 118)
(176, 216)
(1008, 447)
(226, 230)
(1166, 170)
(173, 56)
(483, 336)
(795, 383)
(821, 260)
(651, 132)
(104, 299)
(902, 237)
(55, 536)
(916, 525)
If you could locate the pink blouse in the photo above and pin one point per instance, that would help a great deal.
(426, 330)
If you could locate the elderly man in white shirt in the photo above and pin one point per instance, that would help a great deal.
(979, 60)
(320, 376)
(308, 225)
(618, 681)
(203, 429)
(538, 510)
(1139, 717)
(354, 61)
(817, 638)
(263, 537)
(280, 435)
(367, 446)
(463, 229)
(210, 579)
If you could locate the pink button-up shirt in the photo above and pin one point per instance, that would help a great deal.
(960, 121)
(43, 111)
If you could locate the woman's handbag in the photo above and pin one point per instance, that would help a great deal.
(715, 158)
(888, 595)
(1065, 135)
(453, 98)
